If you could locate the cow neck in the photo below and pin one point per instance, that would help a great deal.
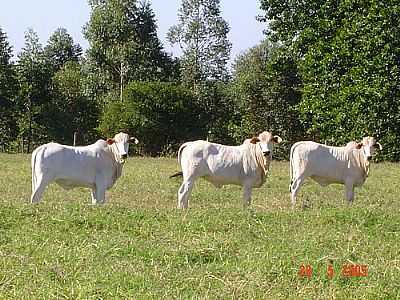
(116, 164)
(262, 162)
(364, 163)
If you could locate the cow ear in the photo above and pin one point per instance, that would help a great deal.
(254, 140)
(110, 141)
(133, 140)
(359, 145)
(277, 139)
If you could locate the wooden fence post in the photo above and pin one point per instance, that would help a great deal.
(75, 138)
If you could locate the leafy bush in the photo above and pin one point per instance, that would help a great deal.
(161, 115)
(219, 111)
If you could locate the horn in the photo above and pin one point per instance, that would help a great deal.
(277, 139)
(380, 146)
(133, 140)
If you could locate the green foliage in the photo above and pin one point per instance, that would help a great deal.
(8, 91)
(70, 110)
(61, 49)
(358, 71)
(161, 115)
(34, 77)
(51, 103)
(266, 87)
(348, 57)
(124, 43)
(218, 111)
(7, 72)
(96, 84)
(202, 35)
(151, 62)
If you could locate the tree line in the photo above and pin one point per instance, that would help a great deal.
(326, 70)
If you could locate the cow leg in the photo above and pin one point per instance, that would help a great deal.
(184, 193)
(246, 196)
(100, 190)
(349, 191)
(295, 188)
(38, 188)
(100, 194)
(93, 194)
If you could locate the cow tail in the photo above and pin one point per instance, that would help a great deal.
(291, 167)
(179, 160)
(180, 152)
(36, 154)
(33, 165)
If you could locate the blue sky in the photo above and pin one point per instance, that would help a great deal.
(45, 16)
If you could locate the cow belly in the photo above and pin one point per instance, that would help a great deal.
(72, 176)
(324, 181)
(219, 181)
(223, 173)
(326, 171)
(70, 183)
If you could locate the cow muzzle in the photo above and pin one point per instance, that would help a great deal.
(267, 153)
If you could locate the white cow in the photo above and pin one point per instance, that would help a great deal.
(95, 166)
(245, 165)
(347, 165)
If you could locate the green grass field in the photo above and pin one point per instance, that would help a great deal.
(139, 246)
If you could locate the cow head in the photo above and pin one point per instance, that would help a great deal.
(121, 143)
(266, 141)
(369, 145)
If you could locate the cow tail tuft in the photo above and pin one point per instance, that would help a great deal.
(176, 174)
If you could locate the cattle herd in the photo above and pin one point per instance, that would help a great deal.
(99, 165)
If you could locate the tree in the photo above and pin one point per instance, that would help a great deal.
(266, 86)
(7, 76)
(70, 110)
(152, 63)
(124, 44)
(61, 49)
(7, 93)
(348, 57)
(202, 35)
(34, 78)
